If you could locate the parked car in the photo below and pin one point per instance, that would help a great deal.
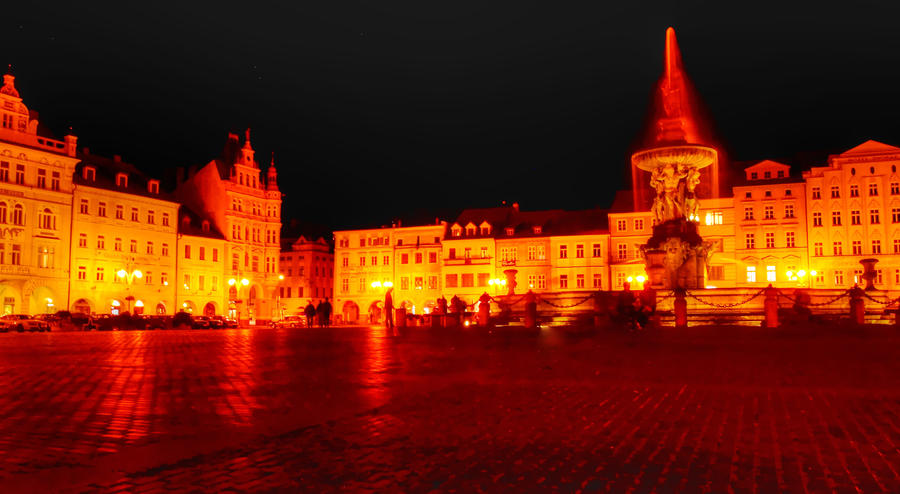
(216, 322)
(23, 322)
(200, 322)
(157, 322)
(225, 322)
(290, 322)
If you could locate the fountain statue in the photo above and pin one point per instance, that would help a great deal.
(676, 256)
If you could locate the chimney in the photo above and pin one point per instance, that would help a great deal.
(515, 207)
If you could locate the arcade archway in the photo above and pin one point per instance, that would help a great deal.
(350, 312)
(209, 309)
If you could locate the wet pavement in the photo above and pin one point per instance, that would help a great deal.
(351, 409)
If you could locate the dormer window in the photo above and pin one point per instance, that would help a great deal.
(767, 175)
(121, 180)
(510, 231)
(153, 186)
(485, 230)
(537, 230)
(185, 222)
(470, 230)
(89, 173)
(780, 173)
(456, 231)
(753, 176)
(205, 226)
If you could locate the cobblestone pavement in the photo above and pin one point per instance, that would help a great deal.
(350, 409)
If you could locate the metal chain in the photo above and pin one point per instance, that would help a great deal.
(817, 304)
(726, 306)
(886, 303)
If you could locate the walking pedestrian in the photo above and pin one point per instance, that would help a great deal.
(310, 312)
(389, 311)
(327, 312)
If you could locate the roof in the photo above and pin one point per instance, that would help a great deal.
(105, 177)
(194, 225)
(870, 147)
(551, 222)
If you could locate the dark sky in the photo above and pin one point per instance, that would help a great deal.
(383, 108)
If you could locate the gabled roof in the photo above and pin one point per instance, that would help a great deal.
(194, 227)
(767, 164)
(870, 147)
(105, 177)
(551, 221)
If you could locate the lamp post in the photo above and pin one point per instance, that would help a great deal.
(801, 275)
(238, 283)
(386, 284)
(497, 283)
(128, 277)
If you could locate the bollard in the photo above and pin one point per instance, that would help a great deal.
(530, 310)
(857, 306)
(680, 309)
(401, 318)
(484, 310)
(771, 306)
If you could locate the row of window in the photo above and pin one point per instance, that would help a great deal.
(84, 208)
(854, 190)
(317, 270)
(254, 235)
(255, 208)
(315, 292)
(767, 174)
(622, 224)
(118, 243)
(19, 176)
(837, 276)
(769, 212)
(768, 193)
(252, 263)
(837, 248)
(856, 217)
(750, 240)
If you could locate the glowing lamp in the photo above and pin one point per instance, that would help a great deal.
(801, 273)
(49, 301)
(491, 282)
(165, 283)
(630, 279)
(790, 274)
(139, 303)
(245, 281)
(813, 272)
(122, 273)
(503, 282)
(387, 284)
(376, 284)
(137, 274)
(467, 324)
(232, 281)
(280, 276)
(115, 303)
(641, 278)
(186, 287)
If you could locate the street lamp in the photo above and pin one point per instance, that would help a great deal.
(237, 284)
(497, 283)
(129, 277)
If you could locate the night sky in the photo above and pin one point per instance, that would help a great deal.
(383, 109)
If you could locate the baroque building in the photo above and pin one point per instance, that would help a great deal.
(35, 209)
(307, 268)
(246, 208)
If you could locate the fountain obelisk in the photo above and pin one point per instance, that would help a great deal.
(675, 256)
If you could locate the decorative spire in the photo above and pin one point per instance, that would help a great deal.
(272, 175)
(247, 139)
(9, 83)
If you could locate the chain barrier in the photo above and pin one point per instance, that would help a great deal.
(726, 306)
(886, 303)
(666, 297)
(566, 306)
(815, 304)
(504, 302)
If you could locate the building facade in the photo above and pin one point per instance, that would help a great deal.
(246, 209)
(35, 209)
(200, 285)
(123, 240)
(307, 267)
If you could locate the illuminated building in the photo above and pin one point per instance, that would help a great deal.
(247, 210)
(200, 284)
(123, 240)
(369, 262)
(770, 226)
(308, 270)
(853, 206)
(35, 209)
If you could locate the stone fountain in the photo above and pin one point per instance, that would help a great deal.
(675, 255)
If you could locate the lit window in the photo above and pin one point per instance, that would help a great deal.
(789, 239)
(770, 273)
(751, 274)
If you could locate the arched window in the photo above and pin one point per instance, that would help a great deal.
(2, 212)
(47, 220)
(18, 216)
